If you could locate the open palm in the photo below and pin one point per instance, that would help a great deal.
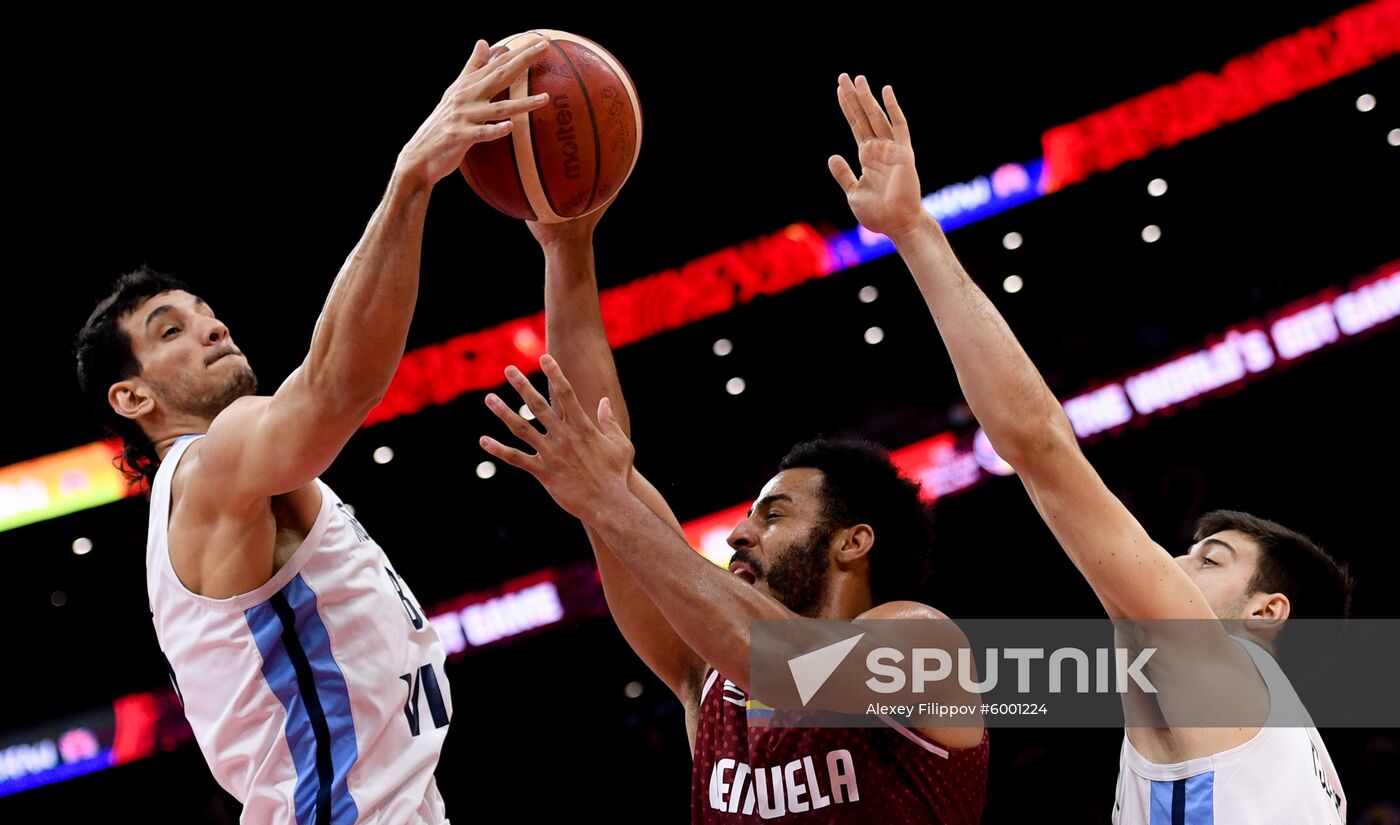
(885, 197)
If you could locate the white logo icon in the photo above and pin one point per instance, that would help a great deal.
(811, 670)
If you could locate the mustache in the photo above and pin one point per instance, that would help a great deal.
(220, 353)
(748, 558)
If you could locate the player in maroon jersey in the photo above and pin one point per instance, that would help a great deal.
(836, 534)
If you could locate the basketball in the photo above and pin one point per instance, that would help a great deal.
(571, 156)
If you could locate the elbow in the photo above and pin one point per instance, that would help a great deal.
(1027, 440)
(359, 403)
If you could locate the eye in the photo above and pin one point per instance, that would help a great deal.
(1206, 561)
(169, 332)
(773, 515)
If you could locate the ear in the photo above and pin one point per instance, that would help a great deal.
(855, 544)
(1266, 612)
(131, 399)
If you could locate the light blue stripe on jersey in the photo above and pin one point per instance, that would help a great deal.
(302, 673)
(1184, 801)
(1161, 812)
(1200, 799)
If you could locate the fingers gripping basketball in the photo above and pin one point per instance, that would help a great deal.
(572, 156)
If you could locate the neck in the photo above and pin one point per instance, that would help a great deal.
(1242, 632)
(165, 434)
(846, 597)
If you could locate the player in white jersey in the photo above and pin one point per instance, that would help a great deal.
(320, 690)
(1282, 773)
(312, 681)
(1240, 567)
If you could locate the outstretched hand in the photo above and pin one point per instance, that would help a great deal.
(885, 197)
(580, 463)
(466, 114)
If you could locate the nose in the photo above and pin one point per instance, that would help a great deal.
(742, 537)
(217, 331)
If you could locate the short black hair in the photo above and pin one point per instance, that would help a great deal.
(861, 485)
(1317, 586)
(103, 351)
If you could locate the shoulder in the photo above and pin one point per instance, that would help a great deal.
(940, 629)
(903, 610)
(214, 462)
(947, 635)
(231, 425)
(205, 477)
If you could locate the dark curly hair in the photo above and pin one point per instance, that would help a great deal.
(861, 485)
(103, 351)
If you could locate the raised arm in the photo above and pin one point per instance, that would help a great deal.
(1132, 575)
(260, 447)
(587, 469)
(576, 338)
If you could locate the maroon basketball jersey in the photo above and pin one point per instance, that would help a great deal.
(889, 774)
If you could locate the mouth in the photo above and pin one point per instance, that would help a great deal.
(743, 571)
(220, 355)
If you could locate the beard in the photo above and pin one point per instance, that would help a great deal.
(187, 396)
(797, 578)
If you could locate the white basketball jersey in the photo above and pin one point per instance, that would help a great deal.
(1281, 775)
(319, 697)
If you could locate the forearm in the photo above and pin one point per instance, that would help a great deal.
(1022, 418)
(576, 338)
(360, 335)
(1001, 384)
(1129, 572)
(709, 608)
(643, 625)
(574, 332)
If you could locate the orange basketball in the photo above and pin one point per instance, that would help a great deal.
(572, 156)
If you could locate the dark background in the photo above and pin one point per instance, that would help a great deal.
(245, 154)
